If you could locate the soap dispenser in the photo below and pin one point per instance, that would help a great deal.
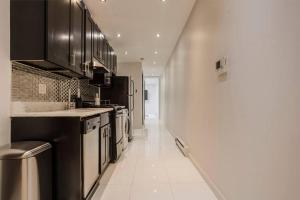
(97, 99)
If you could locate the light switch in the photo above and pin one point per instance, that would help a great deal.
(42, 88)
(221, 66)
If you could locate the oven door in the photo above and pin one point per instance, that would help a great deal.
(119, 121)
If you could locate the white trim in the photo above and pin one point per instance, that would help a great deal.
(210, 183)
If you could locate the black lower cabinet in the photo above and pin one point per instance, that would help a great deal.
(65, 136)
(105, 147)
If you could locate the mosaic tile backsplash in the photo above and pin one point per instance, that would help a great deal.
(26, 80)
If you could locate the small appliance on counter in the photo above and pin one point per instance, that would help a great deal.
(97, 100)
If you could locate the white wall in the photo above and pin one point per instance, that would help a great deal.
(243, 130)
(162, 99)
(134, 69)
(5, 75)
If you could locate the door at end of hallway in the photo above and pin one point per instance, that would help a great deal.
(151, 97)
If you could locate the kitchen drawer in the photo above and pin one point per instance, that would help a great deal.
(105, 119)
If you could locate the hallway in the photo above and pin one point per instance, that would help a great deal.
(152, 168)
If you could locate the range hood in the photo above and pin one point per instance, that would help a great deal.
(99, 67)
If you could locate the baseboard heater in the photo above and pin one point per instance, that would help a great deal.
(182, 146)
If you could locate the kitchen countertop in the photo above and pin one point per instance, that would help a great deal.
(81, 112)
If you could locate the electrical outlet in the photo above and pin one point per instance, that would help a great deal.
(42, 88)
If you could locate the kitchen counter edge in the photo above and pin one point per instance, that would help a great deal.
(80, 112)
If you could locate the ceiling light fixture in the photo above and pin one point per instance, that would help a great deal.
(118, 35)
(154, 63)
(157, 35)
(103, 1)
(155, 52)
(163, 1)
(126, 53)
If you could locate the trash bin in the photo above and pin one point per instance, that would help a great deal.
(26, 171)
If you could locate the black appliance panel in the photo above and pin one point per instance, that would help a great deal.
(119, 92)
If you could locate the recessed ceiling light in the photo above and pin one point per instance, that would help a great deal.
(103, 1)
(154, 63)
(163, 0)
(155, 52)
(118, 35)
(126, 53)
(157, 35)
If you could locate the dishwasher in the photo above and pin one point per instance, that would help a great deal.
(90, 155)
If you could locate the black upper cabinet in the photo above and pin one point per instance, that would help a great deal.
(109, 57)
(105, 52)
(97, 43)
(59, 36)
(112, 61)
(77, 39)
(101, 43)
(40, 33)
(88, 53)
(114, 70)
(58, 32)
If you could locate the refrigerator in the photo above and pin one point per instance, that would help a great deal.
(121, 92)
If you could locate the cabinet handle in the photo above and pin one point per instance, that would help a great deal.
(84, 66)
(73, 58)
(108, 129)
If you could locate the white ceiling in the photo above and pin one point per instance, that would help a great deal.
(138, 22)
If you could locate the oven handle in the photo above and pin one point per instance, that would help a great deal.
(128, 126)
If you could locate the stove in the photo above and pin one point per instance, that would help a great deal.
(116, 107)
(117, 118)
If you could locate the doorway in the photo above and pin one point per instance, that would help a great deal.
(151, 96)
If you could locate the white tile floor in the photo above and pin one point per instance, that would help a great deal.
(152, 168)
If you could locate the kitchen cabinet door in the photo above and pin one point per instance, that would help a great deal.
(58, 32)
(115, 67)
(112, 65)
(96, 39)
(98, 42)
(110, 52)
(77, 39)
(105, 53)
(88, 53)
(108, 143)
(41, 34)
(100, 47)
(103, 148)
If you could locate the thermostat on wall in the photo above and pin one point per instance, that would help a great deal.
(221, 66)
